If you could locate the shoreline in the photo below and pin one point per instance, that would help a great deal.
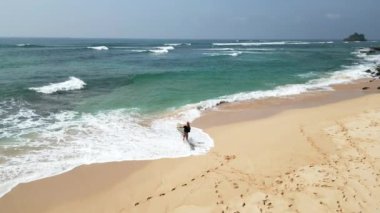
(262, 108)
(232, 114)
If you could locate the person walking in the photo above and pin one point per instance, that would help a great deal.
(186, 131)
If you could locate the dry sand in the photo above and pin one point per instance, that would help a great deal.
(323, 158)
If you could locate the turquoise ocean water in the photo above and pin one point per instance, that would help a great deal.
(68, 102)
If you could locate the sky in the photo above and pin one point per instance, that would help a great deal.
(190, 19)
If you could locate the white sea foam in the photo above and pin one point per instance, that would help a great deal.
(219, 49)
(367, 55)
(308, 75)
(139, 51)
(23, 45)
(325, 42)
(224, 53)
(361, 52)
(324, 83)
(173, 44)
(177, 44)
(250, 43)
(235, 53)
(98, 48)
(122, 47)
(72, 84)
(161, 50)
(261, 49)
(64, 140)
(298, 42)
(271, 43)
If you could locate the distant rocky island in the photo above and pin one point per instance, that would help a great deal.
(356, 37)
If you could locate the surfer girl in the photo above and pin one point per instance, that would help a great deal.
(186, 130)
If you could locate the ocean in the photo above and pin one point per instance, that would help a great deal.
(68, 102)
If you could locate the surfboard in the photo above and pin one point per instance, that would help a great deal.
(180, 128)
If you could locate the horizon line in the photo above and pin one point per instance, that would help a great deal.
(142, 38)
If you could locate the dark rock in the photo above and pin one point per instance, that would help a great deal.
(367, 51)
(375, 48)
(378, 88)
(356, 37)
(365, 88)
(221, 102)
(371, 51)
(368, 71)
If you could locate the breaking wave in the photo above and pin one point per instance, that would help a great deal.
(62, 141)
(271, 43)
(226, 53)
(161, 50)
(72, 84)
(98, 48)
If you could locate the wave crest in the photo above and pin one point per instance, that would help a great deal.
(98, 48)
(229, 53)
(271, 43)
(161, 50)
(72, 84)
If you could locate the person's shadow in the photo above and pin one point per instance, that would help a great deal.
(193, 144)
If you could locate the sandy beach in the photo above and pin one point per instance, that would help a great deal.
(189, 106)
(315, 153)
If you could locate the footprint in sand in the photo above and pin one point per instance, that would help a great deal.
(229, 157)
(193, 179)
(236, 186)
